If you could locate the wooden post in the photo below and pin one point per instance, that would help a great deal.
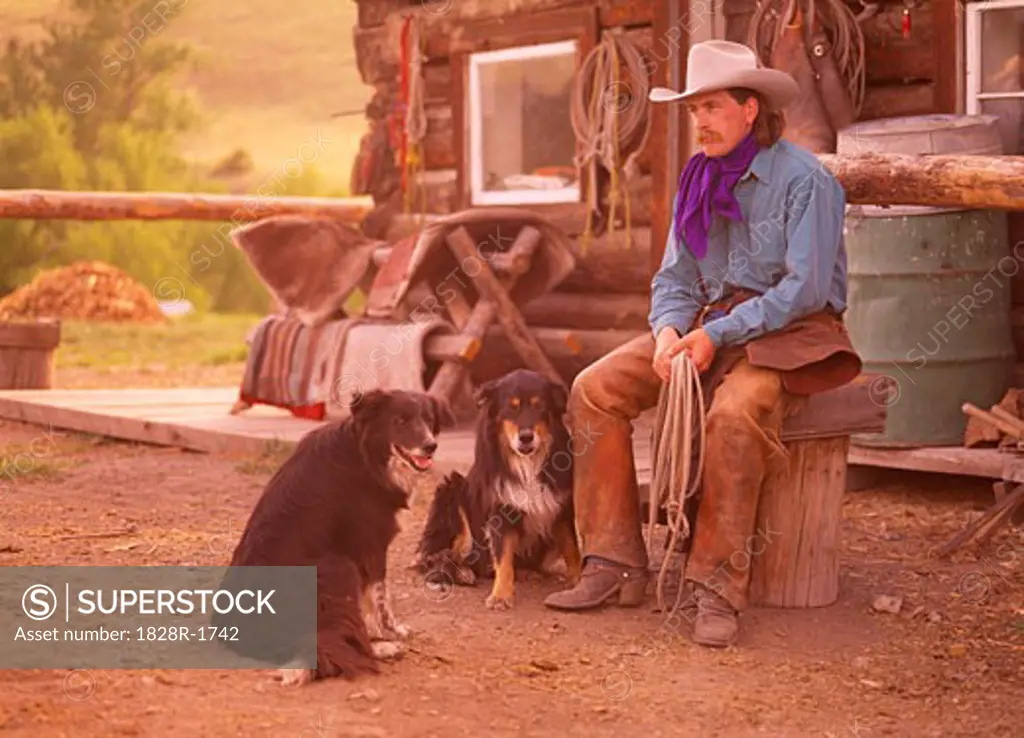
(516, 262)
(669, 132)
(26, 354)
(795, 553)
(452, 374)
(508, 314)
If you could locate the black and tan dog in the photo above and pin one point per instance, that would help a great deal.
(334, 504)
(514, 508)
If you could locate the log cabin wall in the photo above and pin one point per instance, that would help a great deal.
(904, 76)
(610, 287)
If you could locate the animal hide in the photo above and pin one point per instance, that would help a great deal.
(310, 265)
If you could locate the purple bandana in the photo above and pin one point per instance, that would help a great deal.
(705, 187)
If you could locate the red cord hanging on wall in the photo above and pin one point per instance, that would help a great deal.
(905, 24)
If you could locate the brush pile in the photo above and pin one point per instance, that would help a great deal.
(86, 290)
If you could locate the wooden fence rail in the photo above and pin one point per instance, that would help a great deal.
(75, 205)
(983, 182)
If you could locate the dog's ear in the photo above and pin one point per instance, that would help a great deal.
(484, 394)
(441, 414)
(559, 397)
(362, 403)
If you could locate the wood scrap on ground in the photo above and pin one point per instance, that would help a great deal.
(1001, 426)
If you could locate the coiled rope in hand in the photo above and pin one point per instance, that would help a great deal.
(678, 431)
(610, 115)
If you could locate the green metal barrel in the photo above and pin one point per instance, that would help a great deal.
(929, 306)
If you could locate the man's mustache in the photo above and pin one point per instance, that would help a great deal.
(708, 137)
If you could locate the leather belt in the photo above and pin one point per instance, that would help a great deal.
(723, 306)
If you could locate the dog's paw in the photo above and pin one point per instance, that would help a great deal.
(400, 632)
(295, 677)
(387, 650)
(498, 603)
(464, 576)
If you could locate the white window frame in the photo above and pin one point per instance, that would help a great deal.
(973, 94)
(478, 195)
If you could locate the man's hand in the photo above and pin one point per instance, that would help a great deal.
(665, 342)
(696, 343)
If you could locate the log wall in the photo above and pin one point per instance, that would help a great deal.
(910, 76)
(377, 42)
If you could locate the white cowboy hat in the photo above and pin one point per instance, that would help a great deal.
(719, 65)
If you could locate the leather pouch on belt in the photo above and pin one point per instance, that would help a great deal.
(814, 353)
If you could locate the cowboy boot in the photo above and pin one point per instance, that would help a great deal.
(601, 582)
(716, 623)
(605, 398)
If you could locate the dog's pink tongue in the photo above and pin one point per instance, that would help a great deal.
(423, 462)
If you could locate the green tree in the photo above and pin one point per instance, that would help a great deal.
(93, 106)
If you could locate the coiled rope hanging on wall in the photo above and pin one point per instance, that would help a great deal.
(610, 116)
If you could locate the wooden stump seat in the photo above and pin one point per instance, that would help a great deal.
(796, 564)
(26, 354)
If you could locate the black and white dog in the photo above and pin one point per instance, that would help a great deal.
(514, 508)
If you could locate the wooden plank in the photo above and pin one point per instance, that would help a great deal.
(625, 12)
(591, 311)
(182, 435)
(525, 29)
(972, 462)
(81, 205)
(558, 344)
(846, 410)
(209, 430)
(956, 460)
(884, 101)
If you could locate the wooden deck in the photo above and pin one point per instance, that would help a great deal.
(198, 419)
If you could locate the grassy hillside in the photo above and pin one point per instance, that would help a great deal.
(270, 75)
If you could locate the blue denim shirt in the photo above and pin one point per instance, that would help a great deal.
(789, 248)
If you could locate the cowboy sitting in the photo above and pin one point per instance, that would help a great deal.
(757, 223)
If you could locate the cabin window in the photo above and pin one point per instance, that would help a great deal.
(521, 143)
(995, 75)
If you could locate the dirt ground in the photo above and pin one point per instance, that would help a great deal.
(951, 663)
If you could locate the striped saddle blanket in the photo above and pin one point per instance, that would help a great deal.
(292, 365)
(315, 371)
